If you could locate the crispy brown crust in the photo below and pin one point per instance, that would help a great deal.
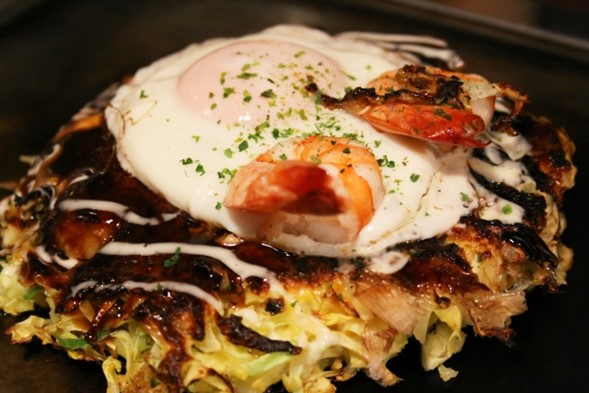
(550, 161)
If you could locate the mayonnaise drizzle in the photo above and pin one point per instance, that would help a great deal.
(189, 289)
(113, 207)
(45, 257)
(178, 287)
(243, 269)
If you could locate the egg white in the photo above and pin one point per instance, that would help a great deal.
(181, 132)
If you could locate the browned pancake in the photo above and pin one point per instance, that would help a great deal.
(146, 317)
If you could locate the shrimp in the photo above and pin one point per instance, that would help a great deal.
(428, 103)
(321, 186)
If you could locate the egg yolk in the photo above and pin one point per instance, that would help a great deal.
(249, 82)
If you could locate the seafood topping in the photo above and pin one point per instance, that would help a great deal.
(428, 103)
(324, 187)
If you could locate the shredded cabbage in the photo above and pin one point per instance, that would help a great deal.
(14, 297)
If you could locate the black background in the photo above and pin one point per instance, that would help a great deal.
(57, 57)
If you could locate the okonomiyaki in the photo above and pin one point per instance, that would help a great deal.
(283, 210)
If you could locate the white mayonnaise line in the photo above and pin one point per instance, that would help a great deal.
(84, 285)
(153, 286)
(79, 179)
(243, 269)
(424, 45)
(113, 207)
(178, 287)
(47, 258)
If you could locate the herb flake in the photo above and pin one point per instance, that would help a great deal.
(507, 209)
(171, 261)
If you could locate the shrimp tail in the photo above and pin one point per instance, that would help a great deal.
(433, 123)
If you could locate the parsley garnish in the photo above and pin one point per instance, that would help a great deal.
(268, 94)
(200, 169)
(226, 173)
(385, 162)
(171, 261)
(260, 127)
(243, 146)
(255, 137)
(414, 177)
(247, 75)
(286, 133)
(507, 209)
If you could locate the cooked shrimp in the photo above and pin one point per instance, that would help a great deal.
(428, 103)
(324, 187)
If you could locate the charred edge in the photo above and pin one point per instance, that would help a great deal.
(360, 97)
(176, 317)
(548, 162)
(544, 182)
(431, 248)
(434, 264)
(540, 132)
(448, 93)
(434, 89)
(518, 235)
(534, 205)
(288, 267)
(243, 336)
(530, 242)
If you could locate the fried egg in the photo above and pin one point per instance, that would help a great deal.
(186, 123)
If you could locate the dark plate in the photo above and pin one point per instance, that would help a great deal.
(55, 59)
